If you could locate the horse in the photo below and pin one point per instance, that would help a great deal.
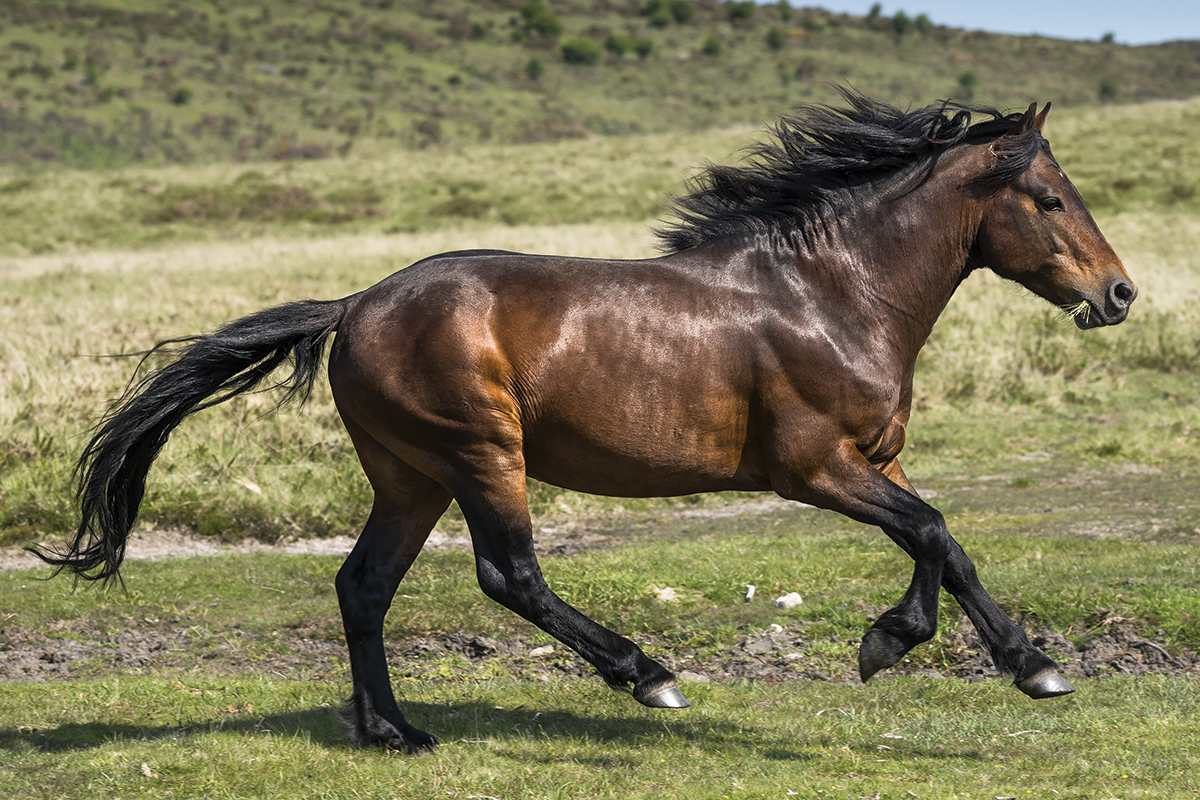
(770, 346)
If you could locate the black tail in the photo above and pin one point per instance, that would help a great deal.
(210, 369)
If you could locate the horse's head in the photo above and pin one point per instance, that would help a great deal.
(1037, 231)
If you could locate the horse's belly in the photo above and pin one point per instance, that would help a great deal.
(640, 460)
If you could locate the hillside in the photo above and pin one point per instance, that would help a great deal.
(117, 82)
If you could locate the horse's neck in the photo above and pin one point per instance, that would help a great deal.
(908, 256)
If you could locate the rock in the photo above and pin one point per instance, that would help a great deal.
(789, 600)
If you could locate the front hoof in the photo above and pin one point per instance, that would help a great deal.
(662, 696)
(878, 651)
(1046, 683)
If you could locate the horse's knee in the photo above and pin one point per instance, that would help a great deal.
(512, 587)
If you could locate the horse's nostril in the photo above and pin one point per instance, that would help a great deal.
(1123, 293)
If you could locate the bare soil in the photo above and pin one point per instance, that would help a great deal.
(778, 654)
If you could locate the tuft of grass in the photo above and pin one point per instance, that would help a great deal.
(1082, 309)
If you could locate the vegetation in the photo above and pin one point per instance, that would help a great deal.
(238, 699)
(121, 82)
(281, 150)
(221, 241)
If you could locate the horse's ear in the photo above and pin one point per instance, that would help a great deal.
(1040, 121)
(1026, 123)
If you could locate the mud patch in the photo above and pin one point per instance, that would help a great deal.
(774, 655)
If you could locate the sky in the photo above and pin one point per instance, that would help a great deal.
(1130, 21)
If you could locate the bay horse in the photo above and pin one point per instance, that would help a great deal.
(770, 347)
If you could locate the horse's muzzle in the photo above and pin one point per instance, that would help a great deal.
(1115, 309)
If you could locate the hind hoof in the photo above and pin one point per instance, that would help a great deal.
(664, 696)
(1046, 683)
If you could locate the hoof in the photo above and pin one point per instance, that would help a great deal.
(415, 743)
(663, 696)
(878, 651)
(1046, 683)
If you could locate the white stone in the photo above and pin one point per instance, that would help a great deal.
(788, 600)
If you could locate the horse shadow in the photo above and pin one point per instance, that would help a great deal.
(468, 722)
(456, 724)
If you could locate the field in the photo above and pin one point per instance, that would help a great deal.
(1066, 463)
(115, 83)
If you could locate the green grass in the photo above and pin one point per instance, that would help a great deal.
(122, 82)
(219, 721)
(256, 738)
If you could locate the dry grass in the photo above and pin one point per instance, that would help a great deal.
(996, 348)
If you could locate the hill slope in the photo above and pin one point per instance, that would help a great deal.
(116, 82)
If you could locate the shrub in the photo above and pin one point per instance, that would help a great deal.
(643, 46)
(682, 10)
(540, 20)
(581, 51)
(968, 82)
(901, 23)
(776, 38)
(742, 11)
(619, 43)
(660, 17)
(711, 46)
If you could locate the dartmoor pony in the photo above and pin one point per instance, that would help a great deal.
(771, 347)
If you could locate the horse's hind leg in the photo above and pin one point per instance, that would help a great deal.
(407, 506)
(502, 533)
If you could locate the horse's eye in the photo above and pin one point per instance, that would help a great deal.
(1052, 204)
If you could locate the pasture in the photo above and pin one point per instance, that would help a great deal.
(1064, 461)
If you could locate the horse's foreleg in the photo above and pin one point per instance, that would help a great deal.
(849, 484)
(508, 573)
(407, 506)
(1034, 673)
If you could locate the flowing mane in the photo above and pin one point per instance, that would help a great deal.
(823, 158)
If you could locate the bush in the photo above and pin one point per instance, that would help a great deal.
(776, 38)
(618, 43)
(968, 82)
(540, 21)
(682, 10)
(643, 46)
(742, 11)
(581, 51)
(711, 46)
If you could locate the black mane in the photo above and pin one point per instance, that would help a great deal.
(823, 157)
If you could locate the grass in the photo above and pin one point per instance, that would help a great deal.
(1065, 461)
(240, 712)
(122, 82)
(257, 738)
(113, 278)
